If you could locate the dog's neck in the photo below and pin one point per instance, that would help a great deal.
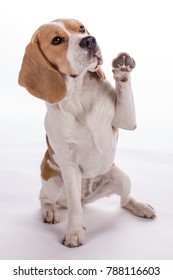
(77, 85)
(74, 84)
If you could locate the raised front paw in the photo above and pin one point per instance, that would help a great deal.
(73, 237)
(122, 65)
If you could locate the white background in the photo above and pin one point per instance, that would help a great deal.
(141, 28)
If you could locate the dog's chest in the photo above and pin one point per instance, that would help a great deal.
(80, 130)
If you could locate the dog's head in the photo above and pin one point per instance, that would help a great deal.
(58, 49)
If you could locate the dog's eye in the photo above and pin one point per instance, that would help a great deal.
(57, 40)
(82, 29)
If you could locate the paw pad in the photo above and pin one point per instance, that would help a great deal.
(123, 62)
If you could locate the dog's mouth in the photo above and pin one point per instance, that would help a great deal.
(74, 76)
(97, 60)
(98, 55)
(93, 58)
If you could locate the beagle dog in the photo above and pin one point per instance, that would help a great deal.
(61, 65)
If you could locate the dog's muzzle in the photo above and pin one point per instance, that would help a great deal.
(89, 43)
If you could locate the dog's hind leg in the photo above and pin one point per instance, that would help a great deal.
(52, 197)
(52, 194)
(116, 182)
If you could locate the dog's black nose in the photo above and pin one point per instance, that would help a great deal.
(88, 42)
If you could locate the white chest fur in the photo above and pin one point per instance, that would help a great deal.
(79, 129)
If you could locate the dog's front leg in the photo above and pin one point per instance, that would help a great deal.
(74, 234)
(125, 109)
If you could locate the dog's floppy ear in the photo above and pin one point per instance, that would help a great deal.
(39, 77)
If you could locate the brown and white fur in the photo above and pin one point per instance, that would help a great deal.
(61, 65)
